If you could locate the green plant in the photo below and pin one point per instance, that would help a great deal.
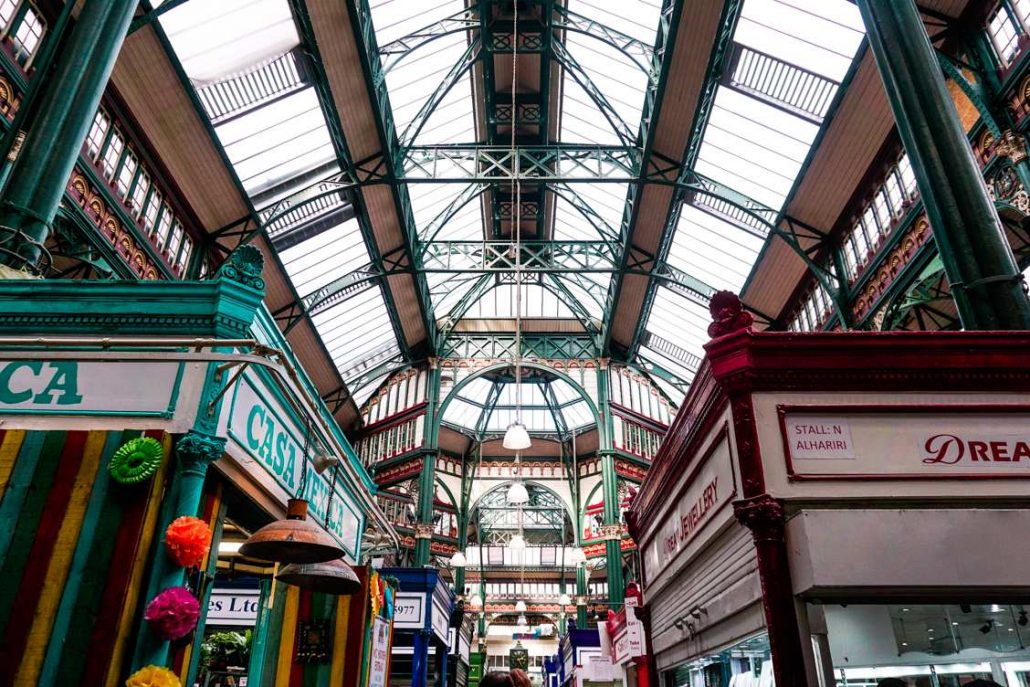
(223, 649)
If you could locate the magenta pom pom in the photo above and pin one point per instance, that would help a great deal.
(173, 613)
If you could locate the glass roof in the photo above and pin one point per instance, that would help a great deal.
(488, 406)
(247, 62)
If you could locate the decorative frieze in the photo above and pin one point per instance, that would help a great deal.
(891, 266)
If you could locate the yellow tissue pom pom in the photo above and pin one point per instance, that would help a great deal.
(153, 676)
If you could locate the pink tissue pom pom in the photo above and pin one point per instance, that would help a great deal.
(173, 613)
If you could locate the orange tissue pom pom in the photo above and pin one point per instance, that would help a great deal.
(187, 541)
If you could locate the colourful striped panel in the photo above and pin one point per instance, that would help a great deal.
(287, 637)
(32, 545)
(56, 574)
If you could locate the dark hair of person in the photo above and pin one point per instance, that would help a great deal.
(496, 678)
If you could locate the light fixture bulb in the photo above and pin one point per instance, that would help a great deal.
(520, 606)
(458, 560)
(476, 601)
(517, 543)
(522, 622)
(564, 600)
(516, 437)
(517, 493)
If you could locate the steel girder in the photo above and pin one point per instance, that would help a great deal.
(502, 346)
(566, 258)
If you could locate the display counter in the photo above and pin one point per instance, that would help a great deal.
(818, 493)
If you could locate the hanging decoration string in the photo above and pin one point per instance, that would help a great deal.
(518, 246)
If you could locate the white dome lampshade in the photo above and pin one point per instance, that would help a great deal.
(517, 543)
(458, 560)
(564, 600)
(520, 606)
(517, 493)
(516, 437)
(476, 601)
(522, 622)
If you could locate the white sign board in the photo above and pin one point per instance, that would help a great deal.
(83, 387)
(409, 611)
(259, 424)
(709, 489)
(379, 662)
(233, 606)
(628, 643)
(890, 442)
(441, 621)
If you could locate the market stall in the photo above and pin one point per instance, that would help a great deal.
(792, 528)
(138, 429)
(422, 624)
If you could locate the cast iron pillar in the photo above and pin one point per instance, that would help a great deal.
(612, 529)
(764, 516)
(427, 481)
(65, 111)
(985, 280)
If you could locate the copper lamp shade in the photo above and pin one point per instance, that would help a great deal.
(330, 577)
(293, 540)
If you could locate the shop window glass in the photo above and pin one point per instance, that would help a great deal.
(126, 174)
(928, 645)
(908, 179)
(883, 213)
(112, 154)
(7, 9)
(97, 133)
(1004, 34)
(747, 664)
(139, 194)
(28, 36)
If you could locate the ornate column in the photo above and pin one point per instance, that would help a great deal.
(612, 529)
(985, 280)
(581, 596)
(64, 113)
(427, 481)
(194, 453)
(764, 516)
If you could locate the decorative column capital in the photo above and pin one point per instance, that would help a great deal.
(244, 266)
(763, 515)
(602, 363)
(197, 450)
(423, 530)
(611, 532)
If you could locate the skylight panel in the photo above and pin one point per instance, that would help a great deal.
(358, 333)
(537, 301)
(214, 40)
(818, 35)
(277, 142)
(713, 250)
(326, 257)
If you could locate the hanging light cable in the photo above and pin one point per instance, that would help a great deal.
(516, 437)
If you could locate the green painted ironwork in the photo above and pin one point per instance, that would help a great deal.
(66, 107)
(985, 280)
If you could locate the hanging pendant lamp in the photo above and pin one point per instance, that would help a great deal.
(476, 601)
(517, 493)
(520, 606)
(516, 437)
(458, 560)
(329, 577)
(292, 540)
(564, 600)
(522, 622)
(517, 543)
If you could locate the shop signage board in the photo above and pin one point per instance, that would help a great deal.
(409, 611)
(923, 442)
(441, 620)
(379, 662)
(628, 643)
(233, 606)
(89, 387)
(274, 438)
(710, 488)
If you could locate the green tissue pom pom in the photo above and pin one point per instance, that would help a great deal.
(136, 460)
